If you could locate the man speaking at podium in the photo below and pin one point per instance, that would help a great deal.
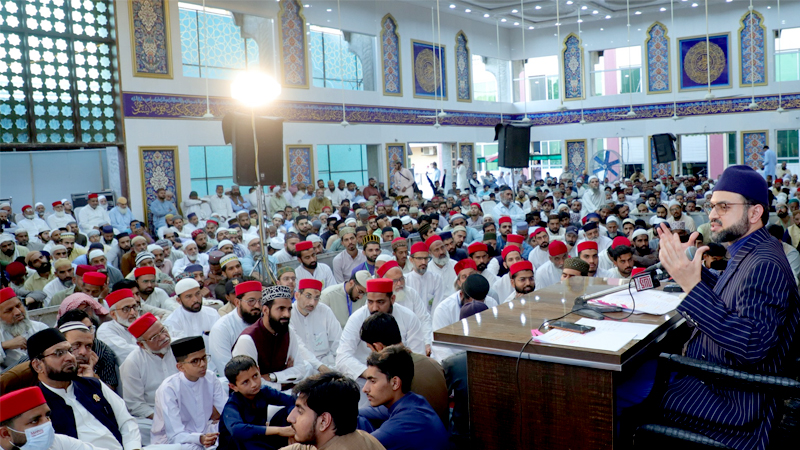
(746, 318)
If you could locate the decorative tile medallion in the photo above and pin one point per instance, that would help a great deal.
(159, 169)
(753, 143)
(703, 63)
(576, 157)
(294, 48)
(390, 49)
(657, 53)
(429, 69)
(463, 68)
(300, 160)
(573, 68)
(149, 21)
(752, 50)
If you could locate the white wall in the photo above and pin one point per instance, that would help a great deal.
(415, 22)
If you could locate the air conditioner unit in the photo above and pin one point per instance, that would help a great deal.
(429, 151)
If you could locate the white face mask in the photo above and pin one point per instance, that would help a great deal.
(40, 437)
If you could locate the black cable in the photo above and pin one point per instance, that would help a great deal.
(632, 309)
(519, 392)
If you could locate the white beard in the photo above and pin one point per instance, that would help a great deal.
(123, 210)
(60, 214)
(29, 216)
(191, 258)
(124, 322)
(400, 296)
(20, 328)
(161, 352)
(441, 262)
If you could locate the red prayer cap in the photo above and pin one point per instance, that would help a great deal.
(453, 213)
(116, 296)
(779, 180)
(431, 240)
(637, 271)
(504, 219)
(197, 232)
(537, 231)
(94, 278)
(380, 285)
(17, 402)
(82, 269)
(557, 248)
(303, 245)
(142, 324)
(620, 240)
(475, 204)
(398, 239)
(309, 283)
(92, 196)
(212, 221)
(587, 245)
(477, 247)
(514, 239)
(465, 264)
(419, 247)
(248, 286)
(519, 267)
(387, 266)
(16, 268)
(26, 207)
(141, 271)
(508, 250)
(57, 203)
(7, 294)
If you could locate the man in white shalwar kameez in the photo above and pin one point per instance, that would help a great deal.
(408, 297)
(428, 285)
(503, 287)
(145, 369)
(315, 324)
(474, 288)
(443, 265)
(124, 310)
(550, 273)
(188, 403)
(191, 318)
(593, 198)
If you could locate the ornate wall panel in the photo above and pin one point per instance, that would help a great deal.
(300, 160)
(390, 51)
(698, 64)
(466, 151)
(150, 43)
(463, 68)
(294, 45)
(658, 170)
(572, 58)
(657, 50)
(576, 157)
(753, 143)
(429, 69)
(752, 50)
(159, 169)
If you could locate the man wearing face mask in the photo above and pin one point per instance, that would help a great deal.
(83, 408)
(25, 423)
(145, 368)
(120, 216)
(124, 308)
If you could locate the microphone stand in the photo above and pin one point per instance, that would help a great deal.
(581, 307)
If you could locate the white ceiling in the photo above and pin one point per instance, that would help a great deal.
(542, 13)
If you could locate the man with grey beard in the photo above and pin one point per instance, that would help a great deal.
(125, 308)
(145, 368)
(15, 329)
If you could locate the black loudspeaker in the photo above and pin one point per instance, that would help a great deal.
(513, 145)
(237, 130)
(665, 147)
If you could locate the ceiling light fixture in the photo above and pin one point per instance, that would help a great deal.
(537, 7)
(569, 2)
(608, 17)
(503, 20)
(486, 15)
(516, 24)
(638, 13)
(595, 12)
(530, 27)
(662, 9)
(514, 11)
(467, 10)
(329, 10)
(452, 6)
(694, 5)
(584, 8)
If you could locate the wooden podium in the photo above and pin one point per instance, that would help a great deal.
(562, 397)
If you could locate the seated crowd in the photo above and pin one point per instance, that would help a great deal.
(197, 333)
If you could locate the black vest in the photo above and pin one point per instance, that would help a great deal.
(89, 393)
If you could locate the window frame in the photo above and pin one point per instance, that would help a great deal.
(359, 69)
(594, 59)
(552, 81)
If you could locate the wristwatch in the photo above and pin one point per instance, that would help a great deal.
(273, 378)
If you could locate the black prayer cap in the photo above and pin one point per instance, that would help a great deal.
(476, 286)
(187, 345)
(41, 341)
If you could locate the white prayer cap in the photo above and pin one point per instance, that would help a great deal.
(185, 284)
(242, 212)
(53, 249)
(63, 200)
(224, 242)
(6, 238)
(254, 238)
(4, 204)
(43, 229)
(630, 221)
(276, 189)
(276, 243)
(638, 232)
(152, 247)
(594, 177)
(314, 238)
(612, 219)
(384, 258)
(405, 220)
(189, 243)
(277, 216)
(38, 204)
(101, 197)
(673, 203)
(96, 253)
(349, 221)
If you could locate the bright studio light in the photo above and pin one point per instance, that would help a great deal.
(254, 88)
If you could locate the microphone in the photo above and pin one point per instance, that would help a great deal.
(689, 254)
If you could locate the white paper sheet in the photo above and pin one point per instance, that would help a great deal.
(595, 340)
(647, 302)
(615, 326)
